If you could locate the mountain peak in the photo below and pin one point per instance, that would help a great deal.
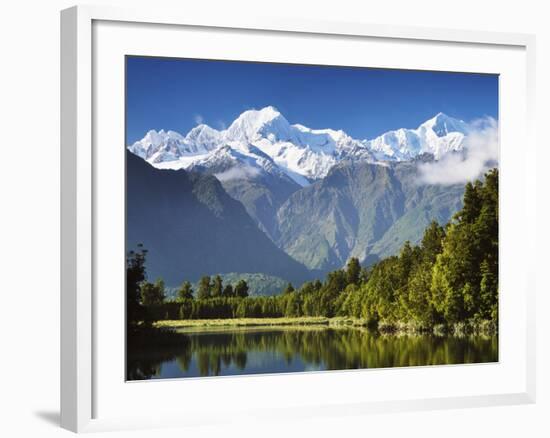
(270, 110)
(157, 137)
(253, 124)
(440, 117)
(154, 138)
(201, 129)
(260, 116)
(442, 124)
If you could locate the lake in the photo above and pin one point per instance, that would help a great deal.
(256, 350)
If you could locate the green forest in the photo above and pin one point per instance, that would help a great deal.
(449, 278)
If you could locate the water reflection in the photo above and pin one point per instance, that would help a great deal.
(272, 350)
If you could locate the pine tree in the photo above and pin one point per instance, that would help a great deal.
(336, 282)
(135, 276)
(472, 203)
(288, 289)
(383, 289)
(292, 306)
(432, 244)
(185, 292)
(152, 294)
(353, 271)
(406, 261)
(204, 288)
(228, 291)
(241, 289)
(419, 303)
(217, 287)
(440, 287)
(364, 276)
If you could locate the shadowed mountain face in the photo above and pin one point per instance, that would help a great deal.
(261, 193)
(262, 198)
(192, 227)
(361, 210)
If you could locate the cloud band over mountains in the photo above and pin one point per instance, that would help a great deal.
(480, 152)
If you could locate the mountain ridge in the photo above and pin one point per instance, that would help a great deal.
(301, 153)
(361, 210)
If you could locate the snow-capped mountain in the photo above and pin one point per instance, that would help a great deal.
(260, 141)
(166, 146)
(437, 136)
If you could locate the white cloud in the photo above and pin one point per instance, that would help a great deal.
(198, 119)
(238, 172)
(480, 153)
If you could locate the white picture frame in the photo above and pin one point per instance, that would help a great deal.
(83, 370)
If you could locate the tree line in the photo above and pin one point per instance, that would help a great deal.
(451, 276)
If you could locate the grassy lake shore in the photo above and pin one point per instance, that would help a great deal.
(483, 327)
(246, 322)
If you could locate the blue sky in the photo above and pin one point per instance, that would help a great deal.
(176, 94)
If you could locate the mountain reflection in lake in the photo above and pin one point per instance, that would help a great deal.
(281, 350)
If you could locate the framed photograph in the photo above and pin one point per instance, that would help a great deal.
(291, 218)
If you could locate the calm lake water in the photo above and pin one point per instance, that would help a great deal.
(282, 350)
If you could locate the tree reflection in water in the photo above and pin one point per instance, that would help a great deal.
(297, 349)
